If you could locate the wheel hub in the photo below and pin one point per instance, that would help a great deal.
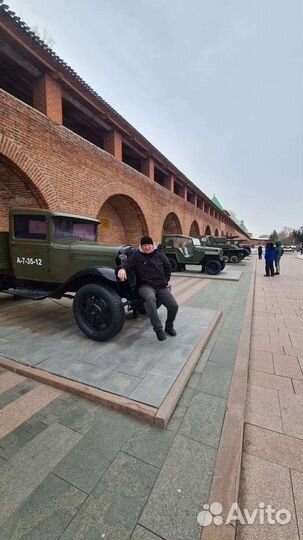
(96, 312)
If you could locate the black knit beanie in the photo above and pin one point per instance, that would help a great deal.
(146, 240)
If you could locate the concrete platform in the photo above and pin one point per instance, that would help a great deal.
(229, 273)
(133, 372)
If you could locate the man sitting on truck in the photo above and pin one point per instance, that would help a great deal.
(153, 271)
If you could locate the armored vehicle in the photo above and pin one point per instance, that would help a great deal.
(241, 245)
(182, 250)
(50, 255)
(231, 252)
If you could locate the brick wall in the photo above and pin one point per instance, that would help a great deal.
(47, 98)
(45, 164)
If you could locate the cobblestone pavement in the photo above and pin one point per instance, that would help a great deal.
(71, 469)
(272, 464)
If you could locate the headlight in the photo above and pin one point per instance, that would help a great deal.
(123, 254)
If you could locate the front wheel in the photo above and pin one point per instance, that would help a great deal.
(98, 311)
(213, 267)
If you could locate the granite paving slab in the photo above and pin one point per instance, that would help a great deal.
(29, 467)
(180, 491)
(143, 534)
(204, 419)
(229, 274)
(150, 445)
(42, 516)
(92, 455)
(134, 364)
(265, 481)
(113, 508)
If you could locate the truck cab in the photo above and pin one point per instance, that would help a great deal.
(49, 254)
(51, 246)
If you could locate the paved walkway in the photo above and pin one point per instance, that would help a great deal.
(272, 465)
(132, 365)
(70, 469)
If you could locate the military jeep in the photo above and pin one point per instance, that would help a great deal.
(53, 255)
(182, 250)
(231, 252)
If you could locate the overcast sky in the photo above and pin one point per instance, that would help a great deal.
(215, 85)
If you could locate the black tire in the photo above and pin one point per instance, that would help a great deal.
(181, 267)
(98, 311)
(226, 258)
(234, 259)
(222, 264)
(213, 267)
(173, 264)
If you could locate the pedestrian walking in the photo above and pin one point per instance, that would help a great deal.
(279, 253)
(270, 257)
(153, 270)
(260, 251)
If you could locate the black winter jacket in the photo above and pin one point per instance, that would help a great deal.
(151, 269)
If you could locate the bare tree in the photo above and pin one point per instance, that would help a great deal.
(298, 236)
(286, 236)
(274, 236)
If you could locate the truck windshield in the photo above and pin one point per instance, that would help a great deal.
(183, 243)
(30, 227)
(65, 227)
(196, 242)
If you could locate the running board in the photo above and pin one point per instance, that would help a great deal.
(32, 294)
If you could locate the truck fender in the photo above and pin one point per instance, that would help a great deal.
(95, 273)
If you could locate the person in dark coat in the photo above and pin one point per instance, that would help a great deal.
(153, 270)
(270, 257)
(279, 253)
(260, 251)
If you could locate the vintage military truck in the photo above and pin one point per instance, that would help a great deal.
(182, 250)
(50, 255)
(231, 252)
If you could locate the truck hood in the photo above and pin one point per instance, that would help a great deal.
(210, 250)
(89, 254)
(95, 247)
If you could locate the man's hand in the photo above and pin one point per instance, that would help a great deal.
(122, 274)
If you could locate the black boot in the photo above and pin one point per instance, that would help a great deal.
(161, 335)
(170, 330)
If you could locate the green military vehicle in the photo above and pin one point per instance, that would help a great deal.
(182, 250)
(53, 255)
(245, 247)
(231, 252)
